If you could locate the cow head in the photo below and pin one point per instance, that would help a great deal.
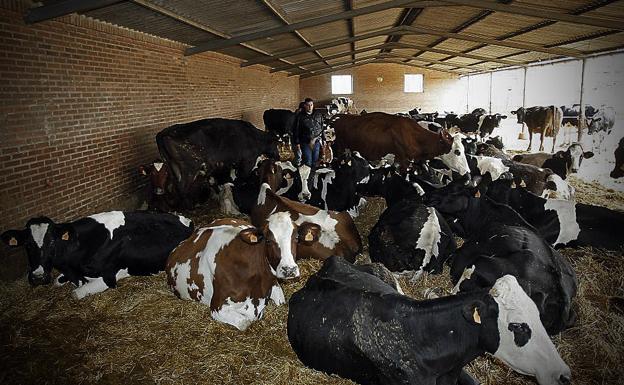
(44, 241)
(574, 156)
(280, 234)
(329, 133)
(557, 188)
(158, 174)
(452, 199)
(520, 114)
(284, 148)
(523, 343)
(455, 159)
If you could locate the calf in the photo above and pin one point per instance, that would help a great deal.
(229, 267)
(410, 237)
(618, 171)
(561, 163)
(562, 222)
(160, 190)
(95, 252)
(324, 232)
(540, 181)
(348, 322)
(498, 242)
(545, 121)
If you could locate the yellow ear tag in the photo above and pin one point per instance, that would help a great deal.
(475, 316)
(478, 194)
(12, 241)
(65, 236)
(253, 238)
(309, 236)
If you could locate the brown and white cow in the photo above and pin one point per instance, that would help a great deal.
(321, 233)
(545, 121)
(377, 134)
(233, 267)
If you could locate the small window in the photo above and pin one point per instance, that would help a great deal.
(341, 84)
(414, 83)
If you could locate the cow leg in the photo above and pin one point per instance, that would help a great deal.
(99, 284)
(553, 147)
(541, 147)
(530, 141)
(277, 295)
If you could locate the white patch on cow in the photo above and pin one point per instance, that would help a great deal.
(429, 237)
(538, 357)
(494, 166)
(57, 280)
(239, 314)
(419, 189)
(38, 272)
(184, 220)
(304, 172)
(455, 159)
(327, 180)
(481, 119)
(354, 212)
(158, 166)
(329, 237)
(226, 200)
(181, 272)
(564, 190)
(232, 174)
(111, 220)
(121, 274)
(467, 274)
(284, 190)
(277, 295)
(93, 286)
(286, 166)
(262, 193)
(259, 160)
(38, 233)
(364, 180)
(566, 213)
(281, 225)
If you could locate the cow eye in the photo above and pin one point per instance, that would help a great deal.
(457, 152)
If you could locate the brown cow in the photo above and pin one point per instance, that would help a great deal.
(322, 233)
(377, 134)
(159, 190)
(543, 120)
(229, 267)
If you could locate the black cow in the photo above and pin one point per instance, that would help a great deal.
(478, 123)
(411, 237)
(195, 151)
(618, 170)
(348, 322)
(95, 252)
(498, 242)
(562, 222)
(278, 121)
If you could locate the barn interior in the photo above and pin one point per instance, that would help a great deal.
(86, 86)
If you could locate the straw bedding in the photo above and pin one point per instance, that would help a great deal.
(140, 333)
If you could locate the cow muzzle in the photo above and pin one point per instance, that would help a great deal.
(39, 279)
(288, 272)
(159, 191)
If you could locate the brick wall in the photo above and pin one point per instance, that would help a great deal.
(441, 89)
(81, 102)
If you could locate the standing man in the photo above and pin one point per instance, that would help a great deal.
(307, 133)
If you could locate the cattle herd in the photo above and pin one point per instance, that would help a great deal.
(442, 178)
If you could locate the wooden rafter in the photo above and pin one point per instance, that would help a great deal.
(466, 55)
(350, 25)
(407, 17)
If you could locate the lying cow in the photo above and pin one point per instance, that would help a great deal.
(410, 237)
(618, 170)
(230, 267)
(540, 181)
(348, 322)
(376, 134)
(545, 121)
(195, 151)
(325, 232)
(561, 163)
(498, 242)
(95, 252)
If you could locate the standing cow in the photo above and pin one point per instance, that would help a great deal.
(545, 121)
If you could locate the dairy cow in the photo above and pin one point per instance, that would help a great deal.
(545, 121)
(95, 252)
(618, 170)
(349, 322)
(231, 267)
(561, 163)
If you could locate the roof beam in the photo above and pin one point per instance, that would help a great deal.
(335, 56)
(350, 24)
(219, 44)
(420, 66)
(276, 12)
(510, 44)
(62, 8)
(431, 61)
(337, 68)
(407, 17)
(540, 13)
(192, 23)
(333, 43)
(334, 65)
(466, 55)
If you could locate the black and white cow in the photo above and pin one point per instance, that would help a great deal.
(95, 252)
(618, 170)
(561, 163)
(411, 237)
(477, 122)
(563, 222)
(571, 119)
(499, 242)
(348, 322)
(601, 126)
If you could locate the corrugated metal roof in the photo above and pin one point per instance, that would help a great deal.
(262, 28)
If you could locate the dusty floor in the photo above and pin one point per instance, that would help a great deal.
(140, 333)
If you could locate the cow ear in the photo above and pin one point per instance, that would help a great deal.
(588, 154)
(14, 238)
(504, 116)
(559, 154)
(472, 312)
(64, 232)
(143, 170)
(309, 233)
(251, 236)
